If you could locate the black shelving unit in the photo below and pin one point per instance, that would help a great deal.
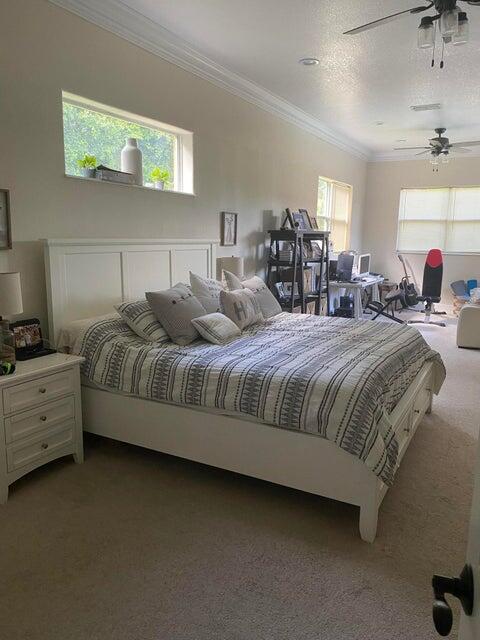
(298, 237)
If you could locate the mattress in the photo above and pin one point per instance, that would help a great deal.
(335, 378)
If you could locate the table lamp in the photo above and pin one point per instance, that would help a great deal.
(10, 305)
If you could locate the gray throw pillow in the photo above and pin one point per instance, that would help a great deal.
(241, 307)
(269, 305)
(216, 328)
(175, 309)
(207, 290)
(141, 319)
(233, 281)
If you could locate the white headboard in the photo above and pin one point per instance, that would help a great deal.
(85, 278)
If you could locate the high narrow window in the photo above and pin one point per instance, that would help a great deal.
(101, 131)
(334, 206)
(444, 218)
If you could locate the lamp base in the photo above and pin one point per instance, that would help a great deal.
(7, 343)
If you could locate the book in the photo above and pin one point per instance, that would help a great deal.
(112, 175)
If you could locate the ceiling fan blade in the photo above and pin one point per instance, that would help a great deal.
(422, 152)
(412, 148)
(394, 16)
(470, 143)
(460, 150)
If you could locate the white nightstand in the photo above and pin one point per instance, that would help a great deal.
(41, 416)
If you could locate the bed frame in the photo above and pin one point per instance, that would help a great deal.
(86, 277)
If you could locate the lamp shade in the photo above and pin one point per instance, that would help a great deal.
(232, 264)
(10, 294)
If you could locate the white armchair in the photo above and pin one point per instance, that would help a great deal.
(468, 328)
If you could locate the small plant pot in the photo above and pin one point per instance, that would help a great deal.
(88, 173)
(159, 184)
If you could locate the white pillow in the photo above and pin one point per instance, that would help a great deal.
(269, 305)
(216, 328)
(241, 307)
(207, 291)
(233, 281)
(141, 319)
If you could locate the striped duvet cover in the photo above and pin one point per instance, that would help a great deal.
(335, 378)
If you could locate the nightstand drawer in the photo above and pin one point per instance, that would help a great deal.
(25, 452)
(35, 392)
(24, 424)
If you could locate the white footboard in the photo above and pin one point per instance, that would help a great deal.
(288, 458)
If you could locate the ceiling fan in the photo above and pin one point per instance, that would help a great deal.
(440, 147)
(453, 23)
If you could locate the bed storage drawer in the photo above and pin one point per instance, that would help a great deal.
(421, 404)
(35, 392)
(30, 450)
(27, 423)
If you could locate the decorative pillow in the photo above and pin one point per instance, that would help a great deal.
(241, 306)
(175, 308)
(141, 319)
(233, 281)
(207, 291)
(216, 328)
(269, 305)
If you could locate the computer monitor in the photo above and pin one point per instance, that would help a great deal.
(363, 268)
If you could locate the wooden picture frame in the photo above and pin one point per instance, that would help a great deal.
(288, 219)
(228, 235)
(307, 222)
(5, 220)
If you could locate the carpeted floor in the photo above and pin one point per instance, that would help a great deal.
(138, 545)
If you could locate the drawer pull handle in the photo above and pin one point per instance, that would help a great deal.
(42, 390)
(43, 418)
(44, 445)
(416, 411)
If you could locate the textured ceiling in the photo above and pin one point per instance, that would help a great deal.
(361, 80)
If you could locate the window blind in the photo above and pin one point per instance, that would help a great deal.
(443, 218)
(333, 211)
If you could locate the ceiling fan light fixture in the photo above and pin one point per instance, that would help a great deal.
(449, 23)
(461, 37)
(426, 33)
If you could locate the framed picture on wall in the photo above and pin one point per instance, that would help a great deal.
(5, 229)
(228, 237)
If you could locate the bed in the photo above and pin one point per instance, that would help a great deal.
(324, 405)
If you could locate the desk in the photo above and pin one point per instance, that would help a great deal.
(337, 289)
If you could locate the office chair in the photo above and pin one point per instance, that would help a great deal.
(431, 287)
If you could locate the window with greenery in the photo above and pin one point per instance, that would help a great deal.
(89, 129)
(444, 218)
(334, 205)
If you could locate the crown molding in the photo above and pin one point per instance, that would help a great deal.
(116, 17)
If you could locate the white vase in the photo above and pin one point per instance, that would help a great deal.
(159, 184)
(131, 160)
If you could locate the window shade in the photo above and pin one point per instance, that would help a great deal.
(446, 218)
(333, 211)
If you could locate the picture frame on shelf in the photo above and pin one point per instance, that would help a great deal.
(228, 231)
(288, 220)
(5, 220)
(314, 223)
(280, 291)
(301, 220)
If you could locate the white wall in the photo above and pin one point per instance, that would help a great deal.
(246, 160)
(384, 182)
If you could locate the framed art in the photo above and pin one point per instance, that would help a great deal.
(228, 229)
(288, 220)
(306, 219)
(314, 223)
(5, 229)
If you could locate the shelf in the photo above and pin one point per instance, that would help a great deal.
(122, 184)
(286, 263)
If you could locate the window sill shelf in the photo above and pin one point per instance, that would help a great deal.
(134, 186)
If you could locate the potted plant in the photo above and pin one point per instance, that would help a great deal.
(159, 177)
(88, 164)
